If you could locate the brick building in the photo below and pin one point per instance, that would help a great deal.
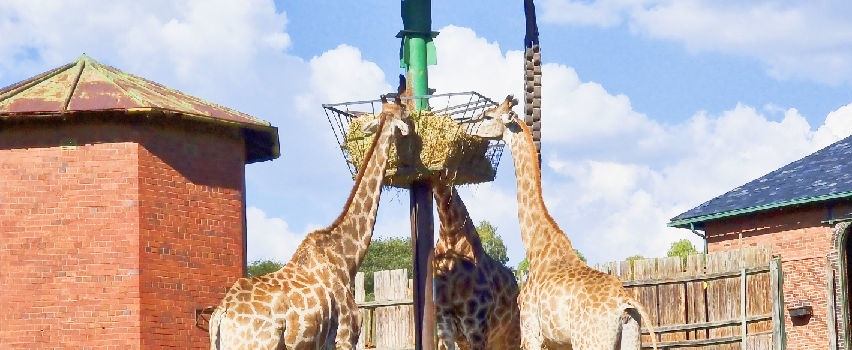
(803, 211)
(122, 209)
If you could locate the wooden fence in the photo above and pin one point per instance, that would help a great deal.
(388, 322)
(727, 300)
(696, 305)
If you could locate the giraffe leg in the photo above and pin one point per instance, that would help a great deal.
(349, 325)
(530, 327)
(446, 331)
(475, 332)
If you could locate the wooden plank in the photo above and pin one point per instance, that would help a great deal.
(612, 267)
(722, 296)
(394, 328)
(696, 306)
(625, 271)
(671, 297)
(360, 294)
(705, 325)
(705, 343)
(381, 303)
(776, 284)
(758, 301)
(759, 341)
(647, 296)
(706, 277)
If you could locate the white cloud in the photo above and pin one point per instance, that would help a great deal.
(811, 40)
(271, 238)
(189, 39)
(470, 63)
(342, 75)
(614, 177)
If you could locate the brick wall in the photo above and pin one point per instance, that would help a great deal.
(113, 243)
(803, 242)
(192, 225)
(68, 253)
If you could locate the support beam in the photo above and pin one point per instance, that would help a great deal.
(423, 239)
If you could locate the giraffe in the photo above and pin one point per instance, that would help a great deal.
(564, 303)
(476, 301)
(308, 303)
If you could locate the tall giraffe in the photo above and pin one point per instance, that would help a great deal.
(476, 300)
(564, 303)
(308, 303)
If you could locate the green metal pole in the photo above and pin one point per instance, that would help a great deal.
(416, 53)
(417, 71)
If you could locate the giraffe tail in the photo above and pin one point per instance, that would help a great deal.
(636, 305)
(215, 333)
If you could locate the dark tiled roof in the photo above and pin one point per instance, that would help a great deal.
(88, 86)
(825, 174)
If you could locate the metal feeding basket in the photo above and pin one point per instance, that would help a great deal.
(441, 139)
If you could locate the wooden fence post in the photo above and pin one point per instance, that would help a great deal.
(647, 296)
(673, 295)
(360, 295)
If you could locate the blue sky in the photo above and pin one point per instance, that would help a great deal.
(650, 107)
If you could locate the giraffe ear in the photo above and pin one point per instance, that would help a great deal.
(508, 118)
(370, 127)
(402, 126)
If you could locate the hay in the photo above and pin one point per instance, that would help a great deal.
(440, 142)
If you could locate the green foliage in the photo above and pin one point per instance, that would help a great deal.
(524, 268)
(682, 248)
(580, 255)
(492, 242)
(385, 254)
(522, 271)
(631, 259)
(262, 267)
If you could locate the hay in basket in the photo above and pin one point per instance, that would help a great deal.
(441, 143)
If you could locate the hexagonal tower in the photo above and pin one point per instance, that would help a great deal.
(122, 209)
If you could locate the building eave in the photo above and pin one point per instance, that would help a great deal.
(684, 223)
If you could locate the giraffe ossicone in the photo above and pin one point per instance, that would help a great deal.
(564, 303)
(308, 303)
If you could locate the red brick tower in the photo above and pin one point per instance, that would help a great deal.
(122, 209)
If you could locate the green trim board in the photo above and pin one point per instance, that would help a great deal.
(684, 223)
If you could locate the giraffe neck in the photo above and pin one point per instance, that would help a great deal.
(541, 235)
(457, 229)
(350, 234)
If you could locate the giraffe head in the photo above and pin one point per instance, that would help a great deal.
(496, 123)
(394, 113)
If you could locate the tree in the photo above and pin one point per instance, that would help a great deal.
(522, 271)
(580, 255)
(385, 254)
(492, 242)
(682, 248)
(631, 259)
(262, 267)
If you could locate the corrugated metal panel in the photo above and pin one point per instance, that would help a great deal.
(88, 86)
